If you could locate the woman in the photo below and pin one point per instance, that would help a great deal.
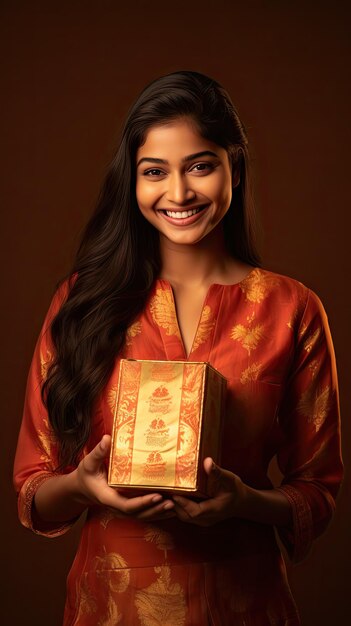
(168, 270)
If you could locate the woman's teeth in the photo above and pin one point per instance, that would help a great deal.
(183, 214)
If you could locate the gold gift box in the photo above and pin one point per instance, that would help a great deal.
(167, 419)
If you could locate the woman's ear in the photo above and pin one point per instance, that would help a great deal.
(235, 159)
(235, 176)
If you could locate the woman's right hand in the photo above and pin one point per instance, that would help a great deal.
(91, 488)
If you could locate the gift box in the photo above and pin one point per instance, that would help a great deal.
(167, 419)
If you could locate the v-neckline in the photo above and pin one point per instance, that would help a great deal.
(173, 343)
(174, 346)
(176, 319)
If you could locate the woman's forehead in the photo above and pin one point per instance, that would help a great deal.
(176, 138)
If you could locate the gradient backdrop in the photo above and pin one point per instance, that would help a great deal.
(70, 69)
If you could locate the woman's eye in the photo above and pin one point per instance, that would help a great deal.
(153, 172)
(202, 167)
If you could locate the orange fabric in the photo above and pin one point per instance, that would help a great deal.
(269, 336)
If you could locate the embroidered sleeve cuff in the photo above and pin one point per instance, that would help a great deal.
(25, 508)
(297, 539)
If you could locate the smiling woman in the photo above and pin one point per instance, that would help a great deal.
(190, 194)
(168, 270)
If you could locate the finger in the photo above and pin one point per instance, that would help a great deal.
(94, 460)
(191, 509)
(219, 479)
(163, 510)
(132, 506)
(209, 465)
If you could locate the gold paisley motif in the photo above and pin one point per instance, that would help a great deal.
(250, 373)
(161, 538)
(310, 341)
(204, 329)
(45, 362)
(133, 331)
(314, 404)
(249, 336)
(163, 602)
(113, 568)
(258, 285)
(163, 312)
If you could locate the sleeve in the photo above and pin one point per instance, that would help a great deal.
(36, 455)
(310, 458)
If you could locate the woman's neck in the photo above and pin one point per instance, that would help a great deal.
(200, 264)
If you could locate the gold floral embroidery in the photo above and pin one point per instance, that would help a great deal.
(249, 336)
(112, 615)
(45, 362)
(250, 373)
(114, 576)
(113, 568)
(314, 404)
(87, 604)
(163, 602)
(258, 285)
(163, 312)
(105, 517)
(205, 328)
(133, 331)
(310, 341)
(47, 441)
(163, 540)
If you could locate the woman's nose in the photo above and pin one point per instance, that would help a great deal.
(178, 189)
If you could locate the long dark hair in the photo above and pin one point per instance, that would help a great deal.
(118, 259)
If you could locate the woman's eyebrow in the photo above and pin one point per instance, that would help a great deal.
(190, 157)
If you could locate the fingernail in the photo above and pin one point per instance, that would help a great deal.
(156, 498)
(168, 505)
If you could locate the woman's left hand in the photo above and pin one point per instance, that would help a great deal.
(227, 491)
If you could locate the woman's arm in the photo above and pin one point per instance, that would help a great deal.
(232, 498)
(48, 502)
(63, 498)
(309, 457)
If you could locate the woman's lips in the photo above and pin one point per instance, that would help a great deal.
(184, 221)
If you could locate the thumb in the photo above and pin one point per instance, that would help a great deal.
(211, 468)
(219, 479)
(95, 458)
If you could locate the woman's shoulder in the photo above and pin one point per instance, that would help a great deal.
(260, 282)
(263, 285)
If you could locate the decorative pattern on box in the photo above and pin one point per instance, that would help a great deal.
(167, 420)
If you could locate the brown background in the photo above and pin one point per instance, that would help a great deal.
(70, 70)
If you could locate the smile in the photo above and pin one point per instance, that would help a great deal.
(184, 217)
(182, 214)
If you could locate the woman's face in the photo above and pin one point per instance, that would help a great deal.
(183, 182)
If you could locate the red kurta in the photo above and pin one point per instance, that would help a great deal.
(269, 336)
